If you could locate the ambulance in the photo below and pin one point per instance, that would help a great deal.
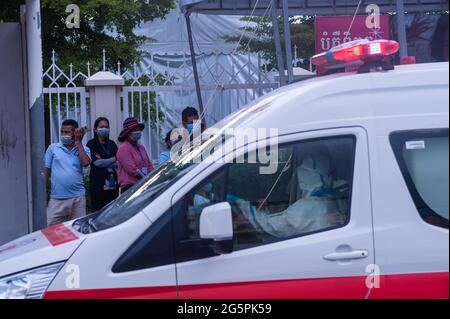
(347, 199)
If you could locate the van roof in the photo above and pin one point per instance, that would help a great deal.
(344, 98)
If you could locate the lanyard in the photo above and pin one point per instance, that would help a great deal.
(142, 157)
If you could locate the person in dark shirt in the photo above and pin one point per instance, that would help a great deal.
(189, 117)
(439, 42)
(103, 176)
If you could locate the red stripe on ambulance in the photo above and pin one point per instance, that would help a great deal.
(405, 286)
(116, 293)
(59, 234)
(413, 286)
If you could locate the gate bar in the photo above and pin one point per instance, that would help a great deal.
(194, 64)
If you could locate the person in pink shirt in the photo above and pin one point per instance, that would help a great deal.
(133, 160)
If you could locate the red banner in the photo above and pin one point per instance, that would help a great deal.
(333, 31)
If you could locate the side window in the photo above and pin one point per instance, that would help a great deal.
(310, 192)
(187, 217)
(424, 161)
(153, 249)
(208, 193)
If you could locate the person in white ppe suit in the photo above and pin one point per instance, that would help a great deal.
(318, 208)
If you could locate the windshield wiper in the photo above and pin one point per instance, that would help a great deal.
(77, 223)
(85, 226)
(92, 225)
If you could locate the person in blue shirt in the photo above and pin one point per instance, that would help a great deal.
(172, 138)
(64, 164)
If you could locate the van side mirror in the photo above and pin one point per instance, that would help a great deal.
(216, 227)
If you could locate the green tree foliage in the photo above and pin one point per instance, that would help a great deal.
(302, 37)
(104, 24)
(10, 10)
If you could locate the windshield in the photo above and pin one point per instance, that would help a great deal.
(148, 189)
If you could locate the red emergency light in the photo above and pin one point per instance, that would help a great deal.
(356, 54)
(408, 60)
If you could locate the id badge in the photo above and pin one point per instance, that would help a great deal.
(110, 183)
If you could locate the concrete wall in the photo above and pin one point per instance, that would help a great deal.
(14, 218)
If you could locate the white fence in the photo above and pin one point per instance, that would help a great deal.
(158, 89)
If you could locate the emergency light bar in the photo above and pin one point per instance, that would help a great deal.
(356, 54)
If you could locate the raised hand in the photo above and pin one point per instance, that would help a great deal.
(79, 134)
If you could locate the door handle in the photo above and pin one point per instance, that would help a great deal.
(347, 255)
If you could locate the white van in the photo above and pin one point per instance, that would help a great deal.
(357, 206)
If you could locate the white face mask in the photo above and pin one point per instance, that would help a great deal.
(66, 140)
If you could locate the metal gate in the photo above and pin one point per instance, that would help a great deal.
(156, 92)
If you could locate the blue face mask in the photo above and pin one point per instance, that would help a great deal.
(136, 136)
(190, 128)
(208, 188)
(173, 142)
(103, 132)
(66, 140)
(200, 201)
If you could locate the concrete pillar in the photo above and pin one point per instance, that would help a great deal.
(35, 116)
(105, 90)
(34, 50)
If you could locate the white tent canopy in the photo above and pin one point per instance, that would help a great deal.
(171, 36)
(168, 53)
(305, 7)
(288, 8)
